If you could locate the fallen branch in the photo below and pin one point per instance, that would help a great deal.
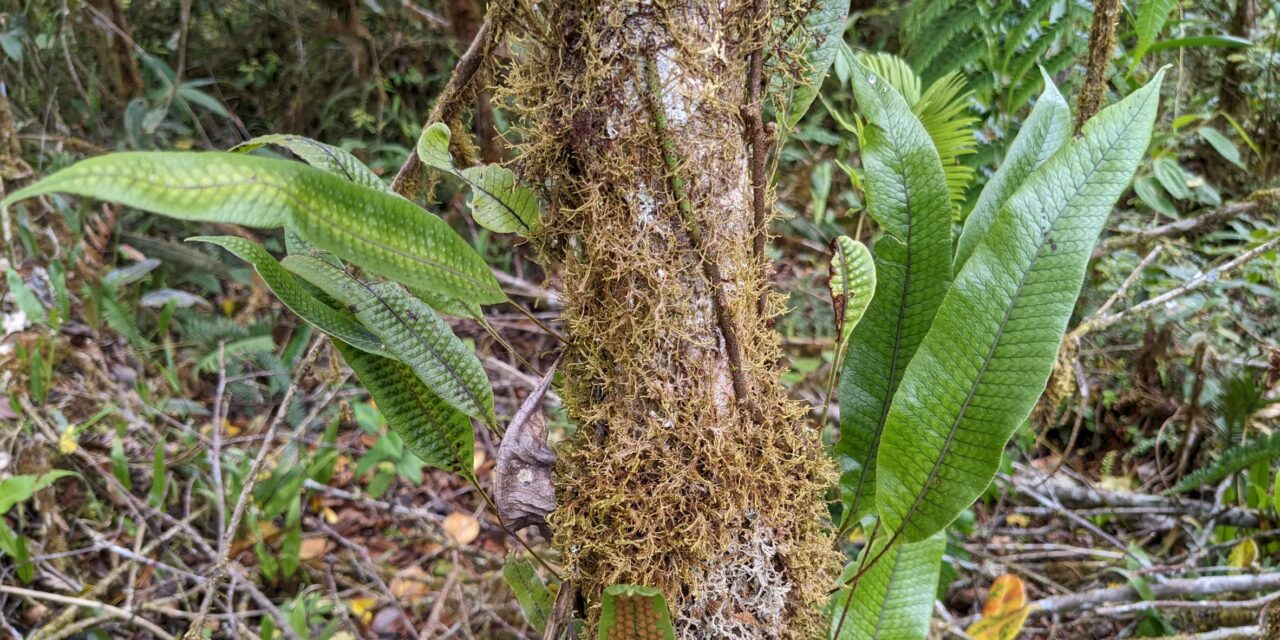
(1212, 275)
(1181, 587)
(1177, 228)
(106, 609)
(1073, 495)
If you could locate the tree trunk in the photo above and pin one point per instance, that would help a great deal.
(1229, 96)
(691, 470)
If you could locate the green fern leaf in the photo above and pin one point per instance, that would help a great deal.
(1042, 134)
(379, 231)
(337, 161)
(287, 289)
(434, 431)
(1232, 461)
(629, 612)
(410, 330)
(907, 195)
(943, 110)
(1152, 14)
(853, 281)
(817, 42)
(498, 201)
(987, 356)
(531, 593)
(894, 599)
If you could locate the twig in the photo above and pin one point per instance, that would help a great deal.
(114, 612)
(1255, 603)
(251, 479)
(1067, 493)
(1177, 228)
(409, 180)
(369, 567)
(1128, 281)
(1212, 275)
(1204, 586)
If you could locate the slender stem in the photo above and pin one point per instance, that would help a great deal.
(710, 268)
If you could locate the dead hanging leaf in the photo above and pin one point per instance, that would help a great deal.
(522, 485)
(1005, 611)
(462, 528)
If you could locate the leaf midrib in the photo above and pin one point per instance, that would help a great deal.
(897, 336)
(256, 179)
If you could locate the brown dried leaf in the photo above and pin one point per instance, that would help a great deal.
(522, 475)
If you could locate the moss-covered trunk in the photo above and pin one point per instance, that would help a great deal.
(691, 470)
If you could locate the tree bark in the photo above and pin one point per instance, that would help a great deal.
(691, 470)
(1230, 99)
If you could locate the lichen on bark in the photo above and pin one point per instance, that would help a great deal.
(674, 479)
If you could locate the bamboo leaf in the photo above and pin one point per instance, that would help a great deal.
(1044, 132)
(629, 612)
(410, 330)
(894, 599)
(287, 289)
(434, 431)
(992, 345)
(379, 231)
(907, 195)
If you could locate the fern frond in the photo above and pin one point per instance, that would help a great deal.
(1028, 21)
(934, 39)
(919, 14)
(1242, 397)
(944, 112)
(1234, 460)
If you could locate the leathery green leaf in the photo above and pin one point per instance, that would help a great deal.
(630, 612)
(894, 599)
(498, 201)
(986, 359)
(907, 195)
(337, 161)
(287, 289)
(434, 431)
(533, 596)
(377, 230)
(1042, 134)
(411, 331)
(819, 40)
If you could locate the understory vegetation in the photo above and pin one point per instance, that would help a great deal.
(531, 319)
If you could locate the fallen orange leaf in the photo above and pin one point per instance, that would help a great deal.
(1005, 611)
(462, 528)
(312, 548)
(410, 584)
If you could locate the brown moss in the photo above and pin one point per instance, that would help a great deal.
(670, 481)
